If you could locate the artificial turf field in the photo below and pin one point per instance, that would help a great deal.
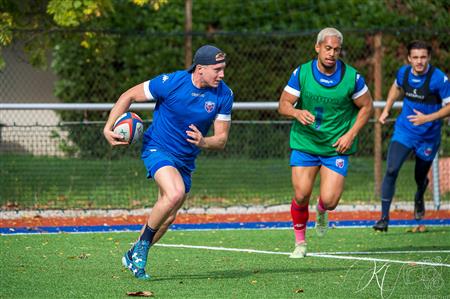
(397, 264)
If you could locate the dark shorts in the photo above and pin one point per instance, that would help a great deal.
(424, 149)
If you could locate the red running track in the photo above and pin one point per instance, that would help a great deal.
(209, 218)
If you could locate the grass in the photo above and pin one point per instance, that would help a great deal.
(88, 265)
(48, 182)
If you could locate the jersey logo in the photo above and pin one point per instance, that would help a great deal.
(326, 81)
(428, 151)
(340, 163)
(209, 106)
(196, 94)
(220, 57)
(165, 78)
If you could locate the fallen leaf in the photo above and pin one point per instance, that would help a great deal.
(418, 229)
(140, 294)
(81, 256)
(422, 228)
(135, 203)
(10, 205)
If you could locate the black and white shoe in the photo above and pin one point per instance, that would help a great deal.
(419, 203)
(381, 225)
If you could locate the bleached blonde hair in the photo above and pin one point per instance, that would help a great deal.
(329, 31)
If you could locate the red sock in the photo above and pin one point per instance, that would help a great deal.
(320, 207)
(300, 215)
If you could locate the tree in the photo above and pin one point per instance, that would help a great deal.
(44, 16)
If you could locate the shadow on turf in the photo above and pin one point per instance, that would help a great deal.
(410, 248)
(246, 273)
(401, 231)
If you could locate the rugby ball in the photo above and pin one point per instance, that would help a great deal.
(130, 126)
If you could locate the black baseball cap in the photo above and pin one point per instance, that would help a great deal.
(207, 55)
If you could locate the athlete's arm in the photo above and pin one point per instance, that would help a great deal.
(286, 108)
(394, 94)
(443, 87)
(420, 118)
(134, 94)
(365, 105)
(216, 141)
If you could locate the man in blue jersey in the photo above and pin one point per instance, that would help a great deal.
(187, 104)
(425, 90)
(330, 103)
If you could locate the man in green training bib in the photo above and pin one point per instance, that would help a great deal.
(330, 103)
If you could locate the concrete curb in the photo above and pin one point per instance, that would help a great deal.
(73, 213)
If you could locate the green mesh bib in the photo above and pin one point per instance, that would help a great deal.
(333, 109)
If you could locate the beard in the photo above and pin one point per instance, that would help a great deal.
(328, 67)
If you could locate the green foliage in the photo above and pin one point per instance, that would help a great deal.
(73, 13)
(65, 147)
(99, 67)
(6, 23)
(18, 17)
(124, 43)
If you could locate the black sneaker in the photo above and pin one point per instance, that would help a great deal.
(419, 203)
(419, 209)
(381, 225)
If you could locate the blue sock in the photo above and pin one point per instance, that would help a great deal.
(148, 234)
(385, 206)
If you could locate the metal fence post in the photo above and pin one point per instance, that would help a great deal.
(436, 193)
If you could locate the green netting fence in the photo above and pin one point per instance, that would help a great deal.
(42, 167)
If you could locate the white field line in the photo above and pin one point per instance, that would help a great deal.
(334, 255)
(384, 252)
(323, 255)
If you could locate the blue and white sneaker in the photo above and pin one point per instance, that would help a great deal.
(135, 259)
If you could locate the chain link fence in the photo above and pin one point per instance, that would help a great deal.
(59, 159)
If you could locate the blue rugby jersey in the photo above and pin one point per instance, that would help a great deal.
(439, 91)
(293, 86)
(179, 104)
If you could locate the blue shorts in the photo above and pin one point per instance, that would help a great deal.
(338, 164)
(155, 158)
(424, 149)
